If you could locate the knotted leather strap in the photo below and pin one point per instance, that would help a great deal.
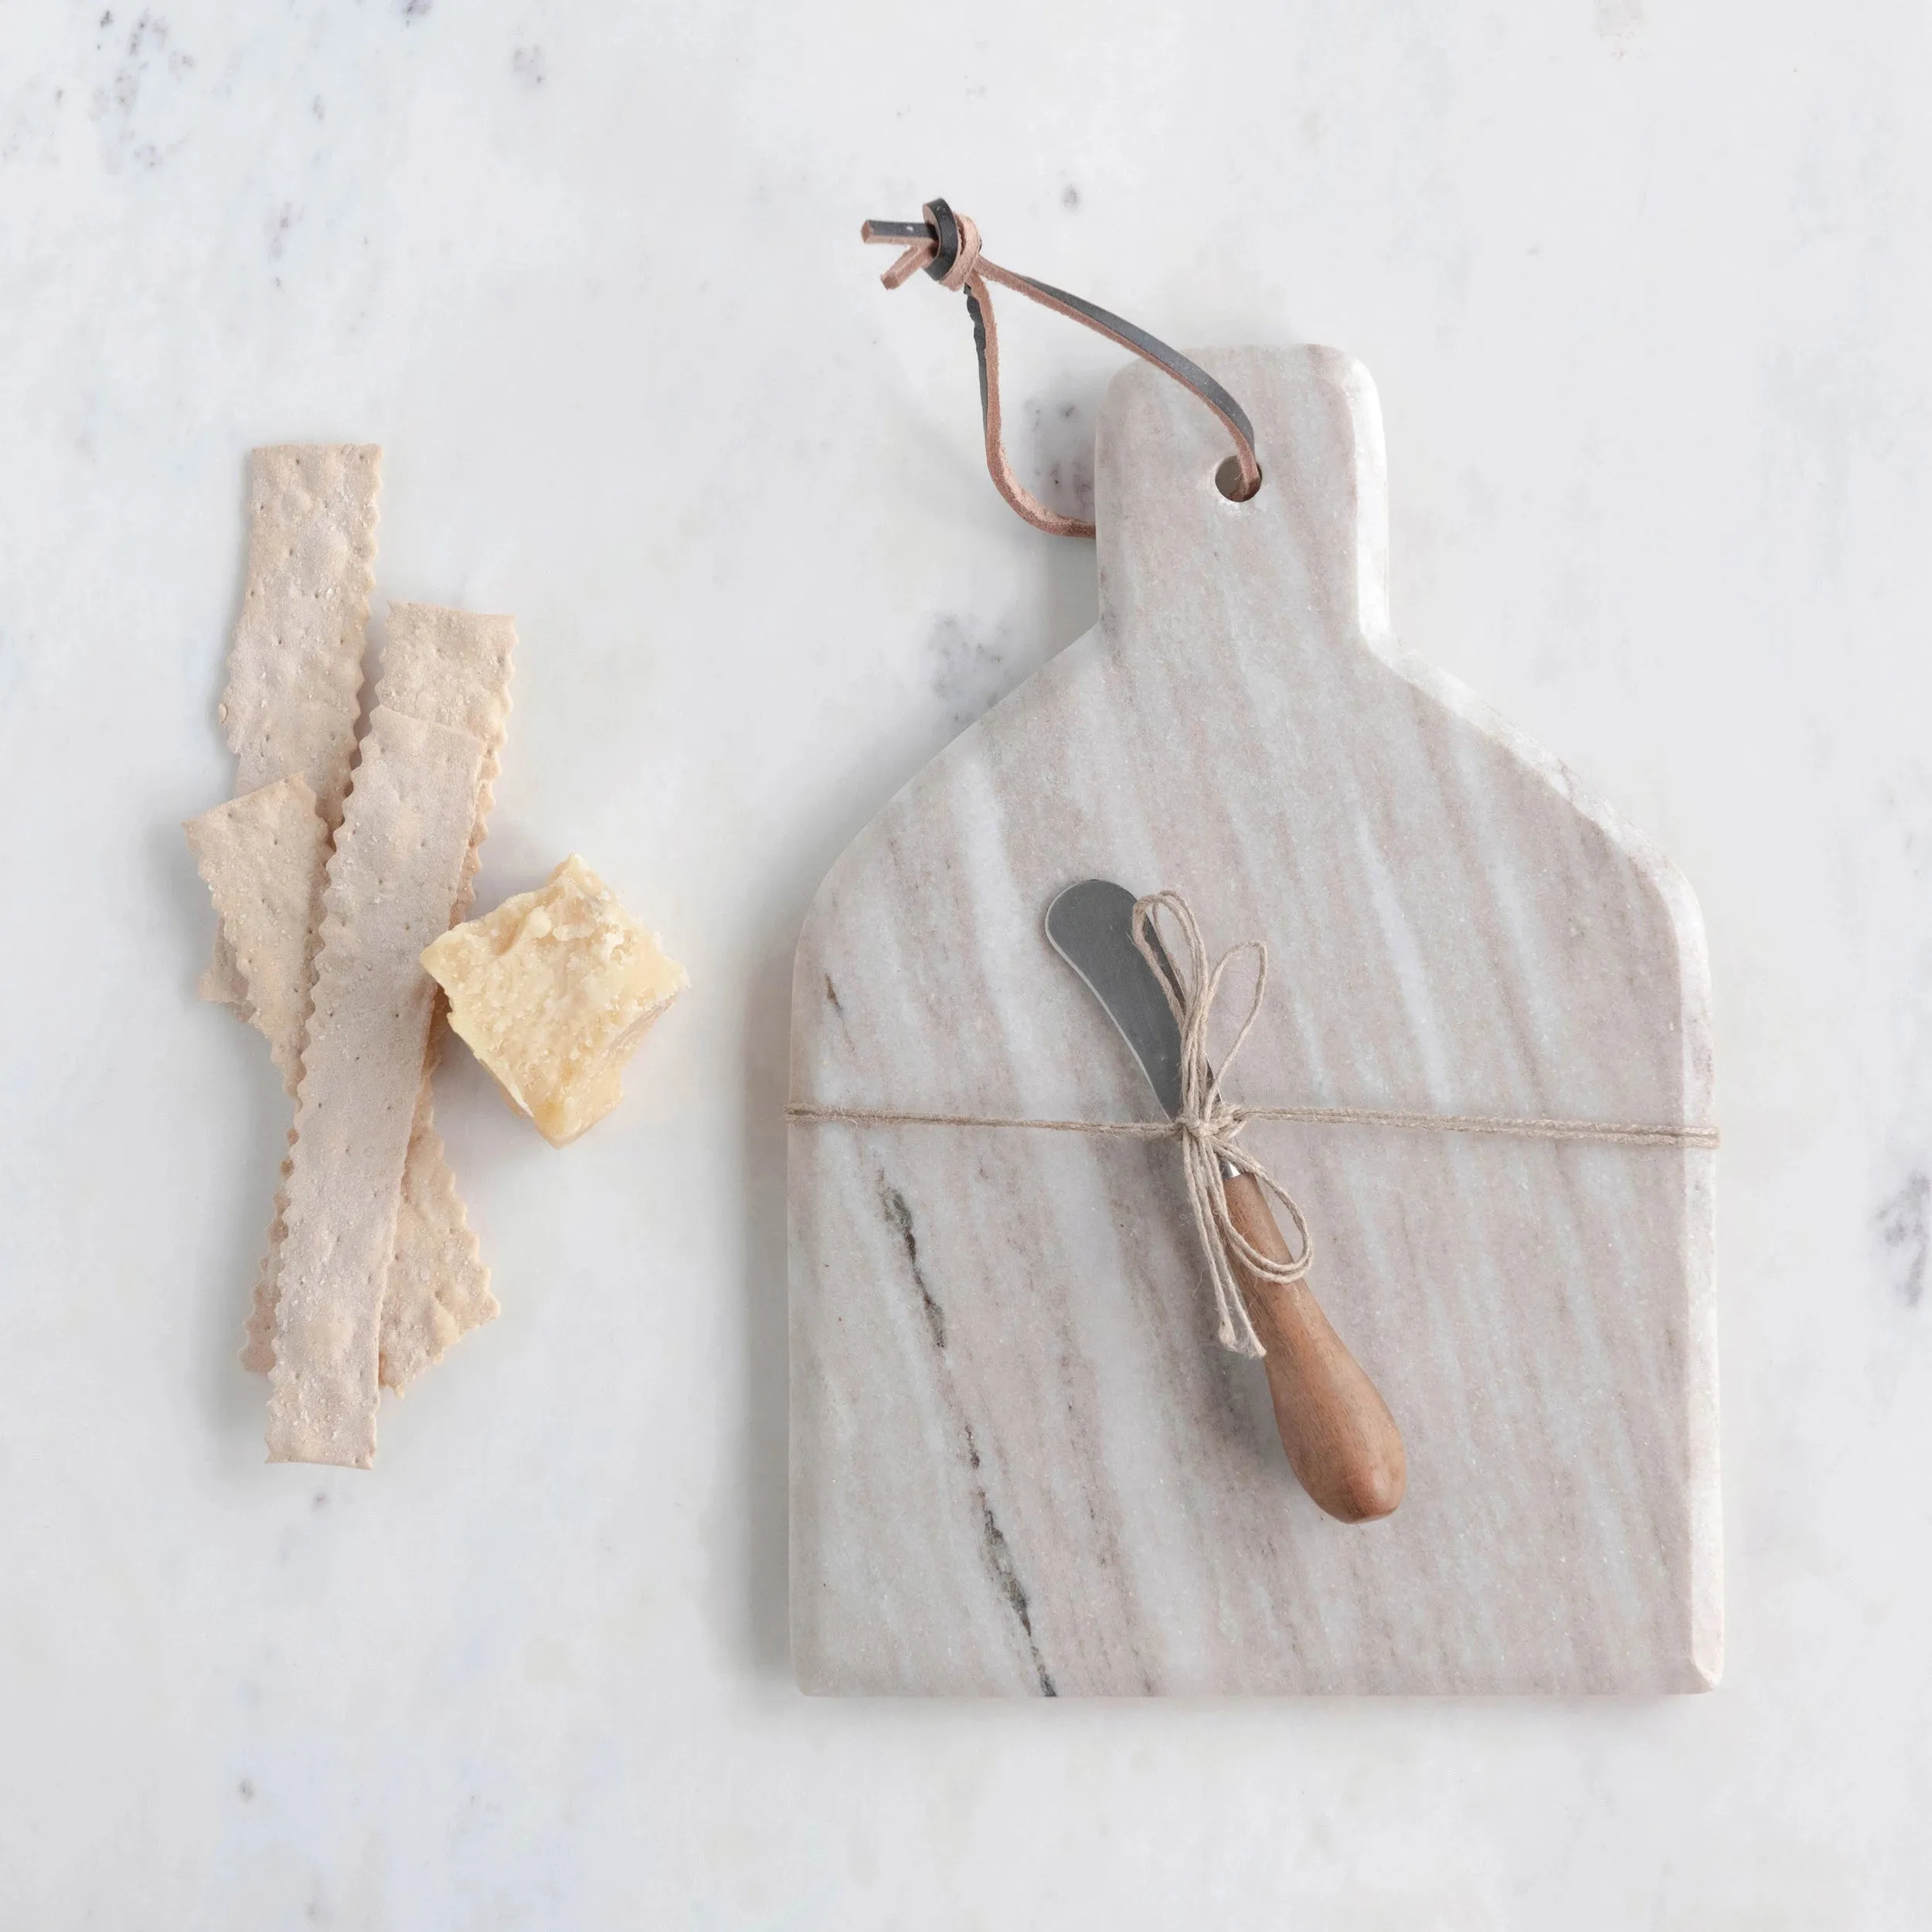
(946, 246)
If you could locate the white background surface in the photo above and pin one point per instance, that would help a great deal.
(1645, 288)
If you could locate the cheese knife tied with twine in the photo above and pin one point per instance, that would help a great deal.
(1340, 1438)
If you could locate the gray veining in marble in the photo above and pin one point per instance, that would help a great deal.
(1020, 1464)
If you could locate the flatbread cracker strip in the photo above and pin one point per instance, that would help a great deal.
(295, 667)
(263, 857)
(295, 671)
(453, 668)
(438, 1288)
(393, 883)
(450, 667)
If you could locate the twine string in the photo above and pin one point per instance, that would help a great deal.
(1209, 1126)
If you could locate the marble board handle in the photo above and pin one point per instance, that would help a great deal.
(1341, 1439)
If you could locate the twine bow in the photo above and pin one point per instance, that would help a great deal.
(1209, 1127)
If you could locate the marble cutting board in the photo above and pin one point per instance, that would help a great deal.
(1020, 1464)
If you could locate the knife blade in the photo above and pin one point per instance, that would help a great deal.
(1340, 1438)
(1091, 926)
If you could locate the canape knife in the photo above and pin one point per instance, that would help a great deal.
(1340, 1438)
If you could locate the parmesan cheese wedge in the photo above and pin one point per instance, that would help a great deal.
(553, 992)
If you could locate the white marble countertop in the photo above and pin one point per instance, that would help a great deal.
(1646, 293)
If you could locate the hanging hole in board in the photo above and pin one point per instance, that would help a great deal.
(1227, 480)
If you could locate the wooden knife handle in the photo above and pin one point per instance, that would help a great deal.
(1341, 1441)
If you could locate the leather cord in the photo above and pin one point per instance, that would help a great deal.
(946, 246)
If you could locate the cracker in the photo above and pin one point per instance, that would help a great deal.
(438, 1288)
(262, 857)
(452, 668)
(295, 669)
(393, 885)
(449, 667)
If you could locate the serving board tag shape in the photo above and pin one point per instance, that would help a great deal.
(1020, 1463)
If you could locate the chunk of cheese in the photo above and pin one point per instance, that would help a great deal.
(553, 991)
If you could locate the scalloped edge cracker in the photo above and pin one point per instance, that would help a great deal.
(393, 884)
(295, 667)
(438, 1288)
(295, 670)
(450, 667)
(453, 668)
(263, 857)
